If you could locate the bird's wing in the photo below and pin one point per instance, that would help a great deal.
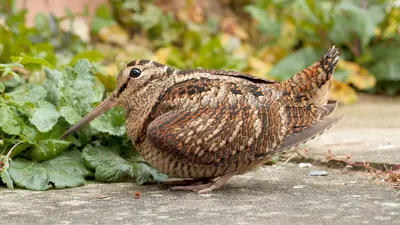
(209, 122)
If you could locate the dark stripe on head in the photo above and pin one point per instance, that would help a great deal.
(123, 87)
(141, 62)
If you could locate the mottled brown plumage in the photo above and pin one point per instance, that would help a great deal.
(213, 124)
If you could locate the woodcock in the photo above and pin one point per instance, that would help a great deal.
(209, 125)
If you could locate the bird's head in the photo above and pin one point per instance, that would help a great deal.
(133, 78)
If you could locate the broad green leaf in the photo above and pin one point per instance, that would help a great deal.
(9, 120)
(144, 173)
(29, 132)
(4, 173)
(52, 84)
(28, 174)
(45, 116)
(80, 91)
(47, 149)
(55, 133)
(67, 170)
(31, 60)
(70, 114)
(293, 63)
(30, 93)
(111, 122)
(108, 164)
(93, 56)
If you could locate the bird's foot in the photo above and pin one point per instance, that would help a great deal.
(186, 182)
(206, 187)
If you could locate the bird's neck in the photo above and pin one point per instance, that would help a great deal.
(140, 104)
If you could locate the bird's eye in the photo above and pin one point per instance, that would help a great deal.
(135, 72)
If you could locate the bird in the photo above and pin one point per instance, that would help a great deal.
(204, 126)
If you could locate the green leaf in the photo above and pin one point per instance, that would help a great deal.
(144, 173)
(387, 66)
(108, 164)
(45, 116)
(111, 122)
(9, 120)
(92, 56)
(47, 149)
(30, 133)
(80, 91)
(67, 170)
(102, 18)
(70, 114)
(29, 93)
(2, 87)
(28, 174)
(350, 18)
(7, 69)
(52, 84)
(31, 60)
(266, 23)
(55, 132)
(293, 63)
(4, 173)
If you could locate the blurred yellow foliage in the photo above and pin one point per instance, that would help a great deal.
(258, 67)
(343, 93)
(161, 55)
(358, 76)
(114, 34)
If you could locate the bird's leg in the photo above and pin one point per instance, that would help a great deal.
(206, 187)
(187, 181)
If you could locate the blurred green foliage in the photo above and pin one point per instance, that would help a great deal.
(41, 67)
(274, 38)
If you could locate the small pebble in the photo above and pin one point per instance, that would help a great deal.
(318, 173)
(305, 165)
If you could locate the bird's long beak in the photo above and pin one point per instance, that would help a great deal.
(105, 105)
